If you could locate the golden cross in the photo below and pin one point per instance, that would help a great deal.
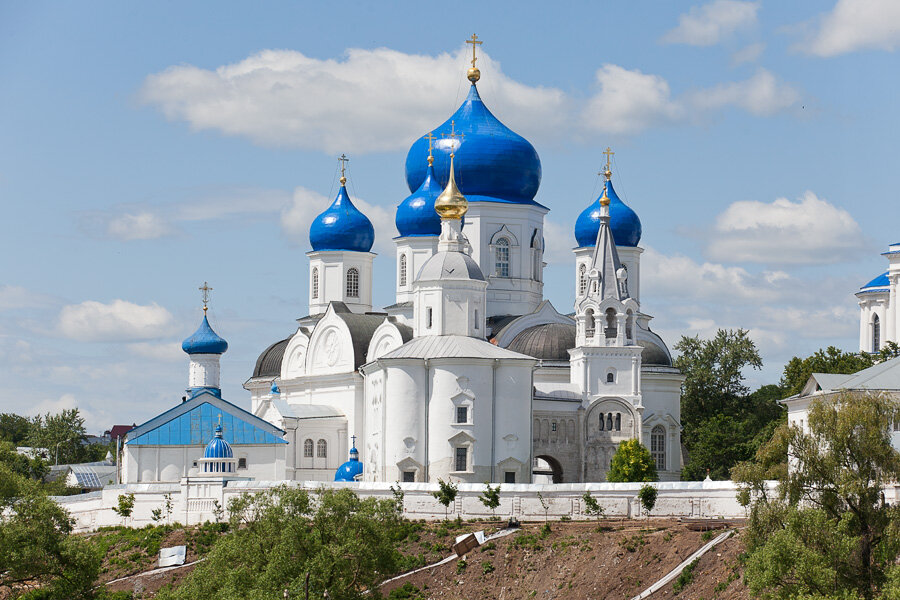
(204, 293)
(430, 137)
(608, 152)
(474, 41)
(344, 160)
(453, 135)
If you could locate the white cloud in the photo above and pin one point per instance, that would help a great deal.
(306, 204)
(709, 24)
(137, 226)
(14, 297)
(118, 321)
(807, 231)
(162, 352)
(748, 54)
(371, 100)
(631, 101)
(856, 25)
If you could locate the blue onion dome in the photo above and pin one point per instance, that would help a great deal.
(624, 222)
(415, 215)
(204, 340)
(493, 163)
(342, 227)
(881, 281)
(350, 469)
(218, 447)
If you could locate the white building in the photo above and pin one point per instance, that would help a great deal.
(879, 309)
(471, 374)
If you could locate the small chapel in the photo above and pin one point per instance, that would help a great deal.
(471, 375)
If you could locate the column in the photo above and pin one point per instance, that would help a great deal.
(890, 330)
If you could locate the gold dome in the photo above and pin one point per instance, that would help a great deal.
(604, 199)
(451, 204)
(473, 74)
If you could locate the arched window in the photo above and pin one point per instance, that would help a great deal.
(611, 328)
(315, 282)
(602, 422)
(502, 257)
(582, 279)
(307, 448)
(402, 270)
(537, 249)
(609, 421)
(321, 449)
(876, 334)
(589, 323)
(658, 447)
(618, 421)
(353, 283)
(610, 378)
(629, 325)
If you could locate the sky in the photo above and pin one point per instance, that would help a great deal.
(147, 148)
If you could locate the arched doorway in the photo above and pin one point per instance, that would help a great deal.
(546, 469)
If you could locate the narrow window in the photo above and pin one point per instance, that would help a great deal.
(307, 448)
(658, 447)
(462, 455)
(537, 247)
(602, 422)
(353, 283)
(610, 378)
(462, 414)
(242, 463)
(509, 477)
(553, 426)
(611, 328)
(609, 421)
(477, 325)
(618, 421)
(315, 282)
(876, 333)
(589, 323)
(402, 270)
(629, 326)
(502, 262)
(428, 318)
(409, 476)
(321, 449)
(582, 279)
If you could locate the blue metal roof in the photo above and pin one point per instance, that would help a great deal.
(218, 447)
(416, 215)
(492, 163)
(204, 341)
(193, 422)
(624, 222)
(350, 469)
(342, 227)
(880, 281)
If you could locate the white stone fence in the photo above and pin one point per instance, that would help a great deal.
(195, 499)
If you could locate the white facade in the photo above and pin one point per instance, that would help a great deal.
(879, 309)
(340, 276)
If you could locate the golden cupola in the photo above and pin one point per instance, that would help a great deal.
(451, 204)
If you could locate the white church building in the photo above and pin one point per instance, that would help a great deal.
(471, 374)
(879, 307)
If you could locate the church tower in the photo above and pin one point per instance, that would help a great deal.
(205, 348)
(340, 263)
(879, 306)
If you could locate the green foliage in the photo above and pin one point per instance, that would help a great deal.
(685, 578)
(490, 497)
(631, 462)
(407, 591)
(647, 496)
(446, 494)
(125, 505)
(829, 360)
(544, 504)
(461, 565)
(486, 567)
(61, 434)
(14, 429)
(827, 529)
(591, 506)
(32, 468)
(346, 545)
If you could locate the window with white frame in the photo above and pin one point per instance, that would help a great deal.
(582, 279)
(589, 323)
(501, 251)
(352, 283)
(428, 318)
(402, 270)
(321, 449)
(876, 333)
(242, 463)
(315, 282)
(409, 476)
(658, 447)
(462, 458)
(462, 414)
(307, 448)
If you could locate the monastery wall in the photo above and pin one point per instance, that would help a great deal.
(194, 500)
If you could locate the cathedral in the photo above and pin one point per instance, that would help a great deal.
(470, 374)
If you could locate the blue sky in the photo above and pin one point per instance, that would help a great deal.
(147, 148)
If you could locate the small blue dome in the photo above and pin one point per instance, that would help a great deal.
(218, 447)
(416, 215)
(492, 163)
(350, 469)
(880, 281)
(624, 222)
(342, 227)
(274, 389)
(204, 341)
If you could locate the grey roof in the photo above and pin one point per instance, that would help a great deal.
(452, 346)
(557, 391)
(883, 376)
(450, 265)
(549, 341)
(269, 362)
(407, 304)
(655, 353)
(497, 323)
(361, 328)
(316, 411)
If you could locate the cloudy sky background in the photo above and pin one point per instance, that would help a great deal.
(147, 148)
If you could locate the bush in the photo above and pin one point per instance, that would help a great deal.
(632, 462)
(647, 496)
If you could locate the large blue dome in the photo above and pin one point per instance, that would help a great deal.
(416, 214)
(342, 227)
(204, 341)
(492, 163)
(624, 222)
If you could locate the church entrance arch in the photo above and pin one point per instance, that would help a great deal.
(546, 469)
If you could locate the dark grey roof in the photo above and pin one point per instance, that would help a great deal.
(407, 304)
(269, 362)
(498, 322)
(362, 327)
(654, 353)
(550, 341)
(450, 265)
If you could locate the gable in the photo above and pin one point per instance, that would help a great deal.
(193, 423)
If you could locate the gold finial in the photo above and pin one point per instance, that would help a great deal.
(204, 294)
(474, 74)
(451, 204)
(604, 199)
(430, 137)
(607, 172)
(344, 160)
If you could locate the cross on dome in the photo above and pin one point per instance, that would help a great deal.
(606, 170)
(343, 160)
(452, 135)
(474, 74)
(204, 294)
(430, 137)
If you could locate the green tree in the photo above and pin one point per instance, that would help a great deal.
(14, 429)
(446, 494)
(829, 360)
(827, 528)
(345, 544)
(125, 506)
(490, 497)
(61, 434)
(591, 506)
(647, 497)
(632, 462)
(32, 468)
